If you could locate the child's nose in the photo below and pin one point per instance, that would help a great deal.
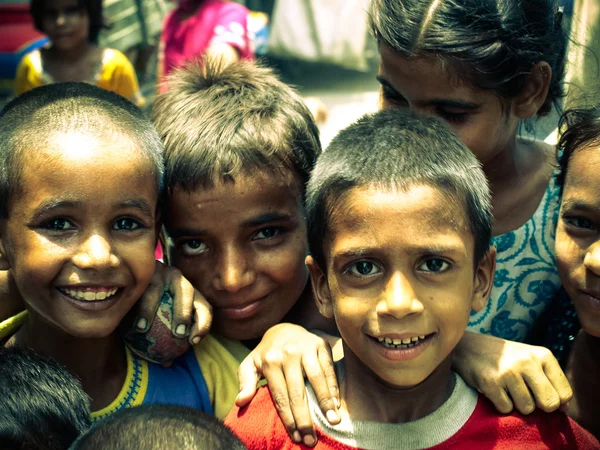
(233, 271)
(591, 260)
(399, 298)
(95, 253)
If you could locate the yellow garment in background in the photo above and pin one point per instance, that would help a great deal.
(115, 73)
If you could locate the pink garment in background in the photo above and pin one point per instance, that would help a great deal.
(215, 20)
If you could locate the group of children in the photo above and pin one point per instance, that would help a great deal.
(381, 244)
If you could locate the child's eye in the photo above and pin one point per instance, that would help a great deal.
(58, 225)
(194, 247)
(363, 269)
(434, 265)
(267, 233)
(579, 222)
(392, 96)
(126, 224)
(454, 117)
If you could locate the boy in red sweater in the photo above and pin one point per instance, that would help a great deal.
(399, 224)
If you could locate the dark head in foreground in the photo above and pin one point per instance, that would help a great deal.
(43, 407)
(158, 427)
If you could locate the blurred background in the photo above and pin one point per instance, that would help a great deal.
(322, 47)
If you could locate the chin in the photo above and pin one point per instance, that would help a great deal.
(93, 332)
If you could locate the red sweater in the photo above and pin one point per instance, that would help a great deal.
(260, 428)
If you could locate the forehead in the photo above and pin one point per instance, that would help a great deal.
(233, 203)
(65, 158)
(426, 78)
(582, 180)
(399, 219)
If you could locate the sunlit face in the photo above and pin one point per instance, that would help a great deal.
(578, 237)
(400, 280)
(243, 246)
(66, 23)
(430, 86)
(81, 233)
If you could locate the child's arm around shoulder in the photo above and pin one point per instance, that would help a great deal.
(219, 359)
(512, 374)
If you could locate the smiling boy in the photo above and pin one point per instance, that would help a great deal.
(399, 224)
(81, 173)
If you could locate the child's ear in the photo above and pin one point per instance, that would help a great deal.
(320, 288)
(484, 280)
(4, 262)
(534, 92)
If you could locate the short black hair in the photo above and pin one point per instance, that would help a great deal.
(494, 43)
(159, 427)
(398, 149)
(580, 129)
(31, 119)
(218, 121)
(42, 405)
(93, 8)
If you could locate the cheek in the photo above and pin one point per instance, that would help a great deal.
(569, 255)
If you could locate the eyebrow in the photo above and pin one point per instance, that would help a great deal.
(360, 252)
(48, 206)
(439, 102)
(571, 204)
(266, 218)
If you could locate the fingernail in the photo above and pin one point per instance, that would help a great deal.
(337, 402)
(309, 441)
(141, 324)
(331, 416)
(180, 330)
(296, 436)
(196, 340)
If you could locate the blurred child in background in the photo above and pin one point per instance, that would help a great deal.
(73, 27)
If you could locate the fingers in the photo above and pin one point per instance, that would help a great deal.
(150, 300)
(520, 394)
(202, 318)
(298, 400)
(248, 376)
(183, 301)
(559, 381)
(494, 391)
(319, 383)
(273, 372)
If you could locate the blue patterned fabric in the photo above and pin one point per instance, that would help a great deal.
(526, 275)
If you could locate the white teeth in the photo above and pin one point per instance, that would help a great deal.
(400, 343)
(89, 295)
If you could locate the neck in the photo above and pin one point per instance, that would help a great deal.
(506, 164)
(589, 346)
(401, 404)
(72, 54)
(92, 360)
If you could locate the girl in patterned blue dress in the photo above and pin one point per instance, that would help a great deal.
(484, 67)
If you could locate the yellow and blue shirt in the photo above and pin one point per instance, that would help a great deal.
(204, 378)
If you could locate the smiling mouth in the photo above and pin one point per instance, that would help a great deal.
(401, 343)
(89, 295)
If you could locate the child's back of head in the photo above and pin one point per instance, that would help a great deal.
(159, 427)
(43, 406)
